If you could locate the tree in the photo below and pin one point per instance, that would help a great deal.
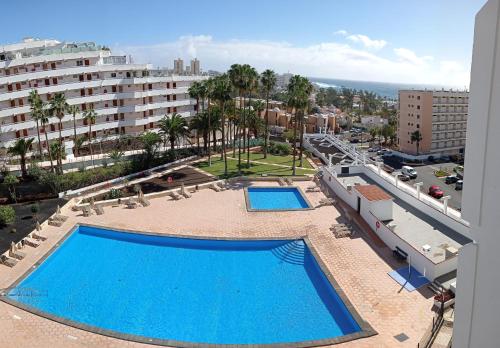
(222, 94)
(21, 148)
(268, 81)
(44, 120)
(36, 107)
(89, 116)
(298, 96)
(58, 107)
(194, 92)
(7, 215)
(11, 181)
(251, 84)
(150, 142)
(416, 137)
(173, 128)
(237, 77)
(74, 110)
(199, 123)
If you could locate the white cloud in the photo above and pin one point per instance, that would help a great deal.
(327, 59)
(406, 55)
(341, 32)
(367, 42)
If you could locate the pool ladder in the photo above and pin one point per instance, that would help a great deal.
(292, 252)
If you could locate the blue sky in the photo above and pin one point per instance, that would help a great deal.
(425, 41)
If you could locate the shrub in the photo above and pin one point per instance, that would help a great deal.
(114, 194)
(280, 149)
(35, 208)
(7, 215)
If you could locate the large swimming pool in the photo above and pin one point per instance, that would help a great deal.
(275, 198)
(187, 290)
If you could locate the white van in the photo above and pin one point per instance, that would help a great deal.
(410, 171)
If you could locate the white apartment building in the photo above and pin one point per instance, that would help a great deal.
(128, 98)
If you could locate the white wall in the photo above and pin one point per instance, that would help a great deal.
(477, 302)
(382, 209)
(418, 261)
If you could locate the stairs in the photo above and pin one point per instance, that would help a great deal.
(292, 252)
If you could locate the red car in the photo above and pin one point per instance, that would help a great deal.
(436, 192)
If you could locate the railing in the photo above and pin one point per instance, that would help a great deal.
(430, 334)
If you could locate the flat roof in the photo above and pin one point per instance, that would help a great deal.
(413, 226)
(373, 193)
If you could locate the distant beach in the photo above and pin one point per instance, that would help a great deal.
(384, 89)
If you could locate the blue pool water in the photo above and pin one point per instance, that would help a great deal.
(227, 292)
(276, 198)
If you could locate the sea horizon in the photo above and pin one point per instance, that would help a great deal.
(384, 89)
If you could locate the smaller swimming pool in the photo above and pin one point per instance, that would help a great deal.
(275, 198)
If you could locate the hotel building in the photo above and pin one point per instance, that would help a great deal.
(128, 98)
(439, 115)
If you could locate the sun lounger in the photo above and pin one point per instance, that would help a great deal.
(39, 237)
(313, 189)
(222, 185)
(215, 188)
(60, 217)
(87, 211)
(289, 181)
(184, 193)
(16, 254)
(175, 196)
(7, 261)
(99, 209)
(31, 242)
(144, 202)
(131, 204)
(281, 182)
(56, 223)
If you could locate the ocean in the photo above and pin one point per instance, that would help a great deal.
(384, 89)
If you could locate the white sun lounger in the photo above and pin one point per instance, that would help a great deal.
(7, 261)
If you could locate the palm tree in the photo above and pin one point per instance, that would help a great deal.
(36, 105)
(298, 96)
(268, 81)
(172, 128)
(150, 141)
(21, 148)
(236, 75)
(251, 84)
(74, 110)
(44, 120)
(308, 89)
(208, 87)
(89, 116)
(58, 107)
(258, 106)
(194, 92)
(200, 124)
(416, 137)
(222, 94)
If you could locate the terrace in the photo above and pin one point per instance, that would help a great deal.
(359, 266)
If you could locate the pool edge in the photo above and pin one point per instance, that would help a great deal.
(366, 329)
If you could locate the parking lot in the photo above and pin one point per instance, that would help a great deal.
(426, 175)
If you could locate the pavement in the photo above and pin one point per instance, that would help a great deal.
(359, 266)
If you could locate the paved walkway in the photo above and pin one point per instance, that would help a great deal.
(359, 266)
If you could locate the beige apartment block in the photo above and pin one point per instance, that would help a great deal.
(439, 115)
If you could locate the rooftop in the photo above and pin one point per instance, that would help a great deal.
(413, 226)
(373, 193)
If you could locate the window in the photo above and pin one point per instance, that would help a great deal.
(113, 89)
(150, 86)
(89, 77)
(9, 88)
(82, 92)
(81, 78)
(53, 66)
(115, 117)
(115, 102)
(47, 82)
(113, 74)
(21, 103)
(54, 80)
(18, 86)
(79, 63)
(418, 97)
(122, 116)
(418, 126)
(150, 99)
(12, 103)
(418, 107)
(87, 62)
(25, 132)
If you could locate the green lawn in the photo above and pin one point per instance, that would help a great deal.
(255, 169)
(283, 160)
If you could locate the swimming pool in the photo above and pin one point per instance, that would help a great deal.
(172, 290)
(275, 198)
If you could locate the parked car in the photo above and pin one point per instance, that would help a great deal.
(410, 171)
(459, 185)
(436, 192)
(451, 179)
(404, 177)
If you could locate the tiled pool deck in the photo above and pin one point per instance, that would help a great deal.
(359, 267)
